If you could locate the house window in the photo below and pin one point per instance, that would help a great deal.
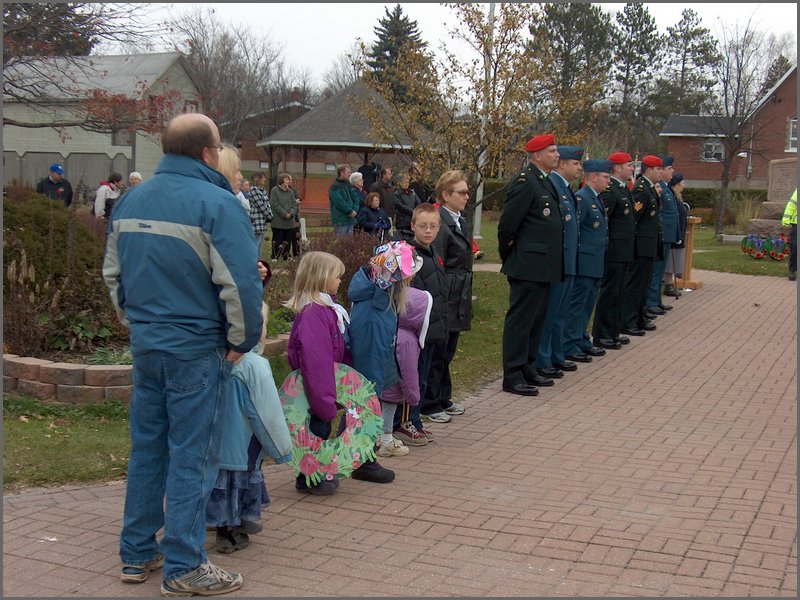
(122, 138)
(792, 147)
(330, 167)
(713, 151)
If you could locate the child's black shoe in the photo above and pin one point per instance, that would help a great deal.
(374, 472)
(229, 540)
(323, 488)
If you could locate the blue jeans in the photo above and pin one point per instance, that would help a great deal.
(340, 230)
(175, 438)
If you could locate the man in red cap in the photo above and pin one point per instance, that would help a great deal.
(531, 239)
(648, 248)
(620, 208)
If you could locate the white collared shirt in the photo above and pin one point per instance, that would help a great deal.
(456, 216)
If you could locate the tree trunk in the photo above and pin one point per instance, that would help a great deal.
(723, 200)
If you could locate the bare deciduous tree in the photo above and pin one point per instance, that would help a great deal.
(345, 70)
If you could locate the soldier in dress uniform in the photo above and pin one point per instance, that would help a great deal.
(593, 236)
(648, 248)
(619, 205)
(670, 234)
(551, 360)
(531, 241)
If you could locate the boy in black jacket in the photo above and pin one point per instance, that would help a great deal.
(425, 223)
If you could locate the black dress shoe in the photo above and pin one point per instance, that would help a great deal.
(635, 331)
(665, 306)
(581, 358)
(649, 327)
(656, 310)
(550, 372)
(608, 344)
(648, 315)
(566, 366)
(594, 351)
(521, 389)
(623, 339)
(540, 380)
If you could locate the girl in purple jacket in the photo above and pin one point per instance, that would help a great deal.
(319, 339)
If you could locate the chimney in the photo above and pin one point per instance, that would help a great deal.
(295, 95)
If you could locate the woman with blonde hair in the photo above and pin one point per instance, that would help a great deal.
(229, 165)
(453, 244)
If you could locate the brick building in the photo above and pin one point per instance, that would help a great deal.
(696, 141)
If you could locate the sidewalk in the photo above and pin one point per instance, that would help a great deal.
(667, 468)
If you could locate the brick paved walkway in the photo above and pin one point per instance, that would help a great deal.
(665, 469)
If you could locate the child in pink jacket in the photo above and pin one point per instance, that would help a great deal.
(411, 332)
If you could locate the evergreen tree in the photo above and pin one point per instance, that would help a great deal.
(637, 49)
(397, 38)
(47, 30)
(777, 70)
(571, 45)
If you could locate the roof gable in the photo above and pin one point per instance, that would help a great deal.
(697, 126)
(773, 89)
(334, 123)
(115, 74)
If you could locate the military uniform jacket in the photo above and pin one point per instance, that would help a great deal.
(531, 219)
(670, 229)
(593, 234)
(570, 216)
(648, 221)
(618, 201)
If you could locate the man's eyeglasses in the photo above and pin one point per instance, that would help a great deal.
(219, 147)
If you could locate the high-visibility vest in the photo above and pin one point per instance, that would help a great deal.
(790, 214)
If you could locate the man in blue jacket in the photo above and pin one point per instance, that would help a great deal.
(593, 235)
(181, 267)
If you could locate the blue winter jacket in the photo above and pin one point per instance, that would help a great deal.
(180, 263)
(252, 417)
(373, 332)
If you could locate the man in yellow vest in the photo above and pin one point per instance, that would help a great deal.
(790, 220)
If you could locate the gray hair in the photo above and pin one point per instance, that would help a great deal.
(355, 176)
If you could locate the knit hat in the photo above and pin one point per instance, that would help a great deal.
(540, 142)
(394, 262)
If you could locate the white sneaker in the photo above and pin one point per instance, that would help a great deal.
(454, 409)
(393, 448)
(437, 417)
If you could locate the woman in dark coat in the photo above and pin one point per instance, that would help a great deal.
(454, 245)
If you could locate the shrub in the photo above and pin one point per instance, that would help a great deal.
(701, 197)
(55, 296)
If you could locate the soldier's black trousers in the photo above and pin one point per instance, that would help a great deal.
(608, 311)
(638, 280)
(527, 306)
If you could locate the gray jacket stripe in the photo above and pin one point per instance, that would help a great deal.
(193, 236)
(111, 273)
(234, 312)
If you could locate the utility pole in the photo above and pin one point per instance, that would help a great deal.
(487, 63)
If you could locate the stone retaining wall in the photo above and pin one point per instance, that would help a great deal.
(82, 384)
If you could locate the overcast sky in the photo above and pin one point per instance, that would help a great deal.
(313, 35)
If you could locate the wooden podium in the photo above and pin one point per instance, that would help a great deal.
(686, 281)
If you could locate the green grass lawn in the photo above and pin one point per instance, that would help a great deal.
(710, 255)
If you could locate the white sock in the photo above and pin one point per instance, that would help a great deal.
(386, 438)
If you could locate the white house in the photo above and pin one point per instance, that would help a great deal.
(90, 156)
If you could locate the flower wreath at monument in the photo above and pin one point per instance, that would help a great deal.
(775, 246)
(337, 456)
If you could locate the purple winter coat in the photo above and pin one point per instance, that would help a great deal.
(411, 332)
(315, 343)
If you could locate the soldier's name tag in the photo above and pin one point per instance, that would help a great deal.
(546, 212)
(596, 224)
(652, 213)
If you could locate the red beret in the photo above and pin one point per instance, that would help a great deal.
(620, 158)
(540, 142)
(652, 161)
